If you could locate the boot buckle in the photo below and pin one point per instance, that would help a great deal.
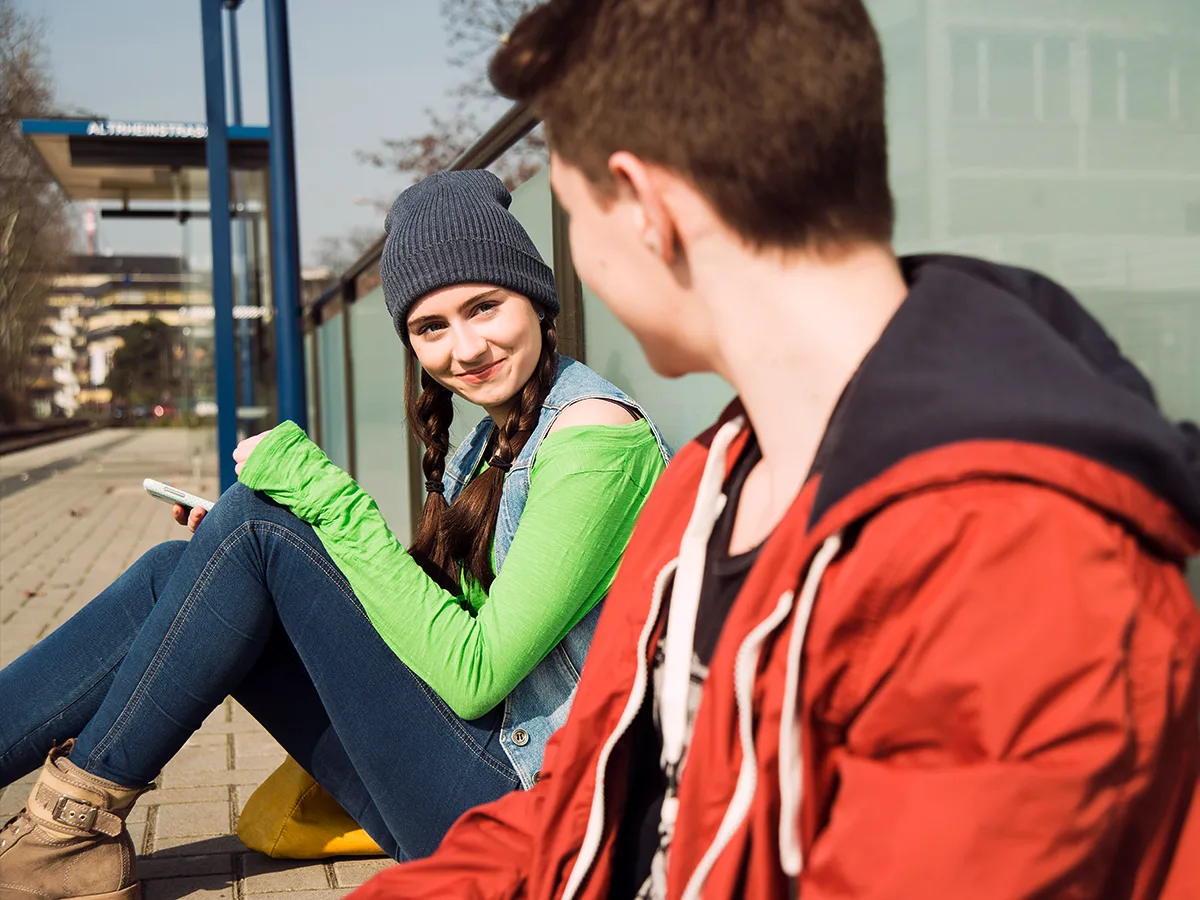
(75, 813)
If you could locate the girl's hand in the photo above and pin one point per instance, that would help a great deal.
(189, 517)
(244, 449)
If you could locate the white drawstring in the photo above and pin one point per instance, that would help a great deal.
(791, 763)
(685, 597)
(745, 670)
(681, 630)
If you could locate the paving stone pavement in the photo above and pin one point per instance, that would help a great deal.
(73, 516)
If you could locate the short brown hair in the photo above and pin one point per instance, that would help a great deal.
(773, 109)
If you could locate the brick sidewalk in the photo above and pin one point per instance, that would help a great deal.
(73, 516)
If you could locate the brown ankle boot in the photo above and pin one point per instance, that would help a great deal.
(70, 841)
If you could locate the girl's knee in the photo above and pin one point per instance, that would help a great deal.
(154, 569)
(239, 504)
(162, 559)
(237, 493)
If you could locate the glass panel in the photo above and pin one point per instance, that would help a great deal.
(531, 207)
(254, 331)
(198, 345)
(1187, 67)
(681, 407)
(381, 442)
(1108, 203)
(331, 369)
(1148, 75)
(1056, 80)
(964, 75)
(310, 384)
(1105, 59)
(1010, 77)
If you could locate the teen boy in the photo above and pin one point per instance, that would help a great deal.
(911, 619)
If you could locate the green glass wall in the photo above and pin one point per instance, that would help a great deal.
(331, 390)
(381, 442)
(1064, 137)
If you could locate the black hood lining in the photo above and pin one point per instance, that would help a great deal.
(986, 352)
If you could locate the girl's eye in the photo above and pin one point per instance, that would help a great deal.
(486, 306)
(430, 328)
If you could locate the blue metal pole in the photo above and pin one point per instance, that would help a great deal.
(235, 62)
(217, 150)
(244, 329)
(285, 228)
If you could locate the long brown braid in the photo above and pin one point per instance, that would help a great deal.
(451, 537)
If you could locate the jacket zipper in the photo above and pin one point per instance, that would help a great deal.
(595, 829)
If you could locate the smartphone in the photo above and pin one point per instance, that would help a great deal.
(169, 494)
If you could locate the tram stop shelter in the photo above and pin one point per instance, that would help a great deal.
(244, 179)
(159, 171)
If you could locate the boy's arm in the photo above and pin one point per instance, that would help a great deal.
(484, 855)
(1016, 691)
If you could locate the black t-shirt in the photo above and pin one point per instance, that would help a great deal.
(637, 836)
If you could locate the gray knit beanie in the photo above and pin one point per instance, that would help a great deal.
(455, 228)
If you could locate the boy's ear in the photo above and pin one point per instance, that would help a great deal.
(652, 217)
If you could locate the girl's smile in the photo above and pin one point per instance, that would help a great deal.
(482, 374)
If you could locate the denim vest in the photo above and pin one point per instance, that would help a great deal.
(539, 704)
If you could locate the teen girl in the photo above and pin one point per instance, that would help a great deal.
(411, 684)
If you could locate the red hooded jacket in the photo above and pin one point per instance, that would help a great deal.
(963, 665)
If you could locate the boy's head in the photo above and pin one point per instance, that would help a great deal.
(671, 119)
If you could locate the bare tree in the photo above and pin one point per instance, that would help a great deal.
(475, 28)
(337, 254)
(34, 233)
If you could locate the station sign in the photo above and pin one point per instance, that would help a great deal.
(113, 128)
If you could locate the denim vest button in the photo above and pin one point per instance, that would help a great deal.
(537, 776)
(520, 737)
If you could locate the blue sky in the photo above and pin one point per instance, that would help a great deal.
(362, 70)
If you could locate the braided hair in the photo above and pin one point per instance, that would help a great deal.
(453, 537)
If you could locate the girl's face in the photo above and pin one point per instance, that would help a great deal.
(480, 341)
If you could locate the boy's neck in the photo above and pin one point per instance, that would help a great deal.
(791, 332)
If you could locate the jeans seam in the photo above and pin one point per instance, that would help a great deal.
(332, 572)
(188, 605)
(185, 611)
(463, 736)
(571, 669)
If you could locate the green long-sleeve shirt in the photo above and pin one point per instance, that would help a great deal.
(586, 488)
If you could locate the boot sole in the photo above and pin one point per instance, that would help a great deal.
(133, 892)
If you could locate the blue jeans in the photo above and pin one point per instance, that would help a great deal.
(252, 606)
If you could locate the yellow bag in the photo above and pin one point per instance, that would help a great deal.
(290, 816)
